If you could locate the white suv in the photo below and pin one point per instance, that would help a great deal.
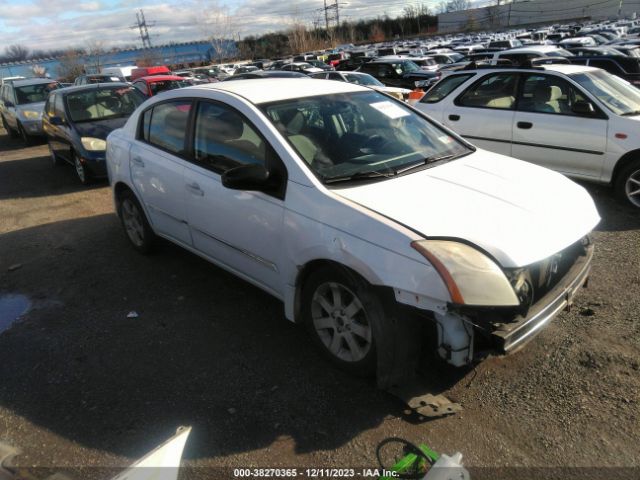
(580, 121)
(367, 219)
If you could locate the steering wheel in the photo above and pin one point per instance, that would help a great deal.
(373, 144)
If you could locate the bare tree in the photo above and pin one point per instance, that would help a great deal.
(217, 24)
(16, 53)
(95, 52)
(70, 66)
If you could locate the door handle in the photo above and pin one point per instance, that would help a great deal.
(138, 162)
(195, 189)
(525, 125)
(454, 118)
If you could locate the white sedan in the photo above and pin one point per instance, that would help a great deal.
(580, 121)
(369, 221)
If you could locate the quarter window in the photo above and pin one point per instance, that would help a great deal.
(165, 126)
(496, 91)
(224, 139)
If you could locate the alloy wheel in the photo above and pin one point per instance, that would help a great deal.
(341, 322)
(132, 221)
(632, 188)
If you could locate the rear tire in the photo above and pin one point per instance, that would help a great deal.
(135, 224)
(627, 186)
(339, 309)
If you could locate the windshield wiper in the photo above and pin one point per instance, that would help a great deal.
(358, 176)
(628, 114)
(422, 163)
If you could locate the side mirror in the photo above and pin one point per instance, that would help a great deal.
(246, 177)
(56, 120)
(583, 108)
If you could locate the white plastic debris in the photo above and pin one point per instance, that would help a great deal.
(132, 314)
(448, 468)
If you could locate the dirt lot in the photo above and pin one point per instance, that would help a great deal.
(83, 385)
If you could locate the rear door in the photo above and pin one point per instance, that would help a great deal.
(484, 112)
(547, 132)
(157, 167)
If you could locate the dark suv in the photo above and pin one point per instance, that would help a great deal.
(624, 67)
(400, 73)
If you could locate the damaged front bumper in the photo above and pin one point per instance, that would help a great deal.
(510, 336)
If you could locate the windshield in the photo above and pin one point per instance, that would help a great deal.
(616, 94)
(157, 87)
(34, 93)
(559, 52)
(94, 104)
(404, 67)
(343, 135)
(363, 79)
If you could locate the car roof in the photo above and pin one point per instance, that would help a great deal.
(565, 69)
(265, 90)
(93, 86)
(159, 78)
(32, 81)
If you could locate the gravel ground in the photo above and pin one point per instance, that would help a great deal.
(85, 386)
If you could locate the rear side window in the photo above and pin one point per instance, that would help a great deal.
(608, 65)
(497, 91)
(165, 126)
(444, 87)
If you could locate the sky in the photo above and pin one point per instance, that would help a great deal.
(59, 24)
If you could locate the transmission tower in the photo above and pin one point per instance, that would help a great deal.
(142, 25)
(331, 14)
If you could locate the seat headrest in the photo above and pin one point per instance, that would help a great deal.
(556, 93)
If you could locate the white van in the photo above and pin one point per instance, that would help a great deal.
(120, 71)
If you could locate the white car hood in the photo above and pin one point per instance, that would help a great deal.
(518, 212)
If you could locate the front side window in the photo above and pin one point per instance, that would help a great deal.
(363, 79)
(165, 125)
(362, 133)
(444, 87)
(224, 139)
(494, 91)
(548, 94)
(142, 87)
(616, 94)
(59, 106)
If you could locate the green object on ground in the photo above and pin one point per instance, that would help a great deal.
(408, 462)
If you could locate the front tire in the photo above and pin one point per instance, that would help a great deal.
(27, 140)
(339, 310)
(134, 222)
(81, 170)
(12, 133)
(627, 186)
(54, 158)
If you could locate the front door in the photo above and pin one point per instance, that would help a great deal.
(548, 133)
(239, 229)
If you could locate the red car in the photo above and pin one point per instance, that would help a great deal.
(155, 84)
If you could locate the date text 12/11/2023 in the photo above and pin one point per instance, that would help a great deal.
(313, 473)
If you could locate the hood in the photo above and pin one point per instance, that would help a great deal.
(518, 212)
(404, 91)
(99, 128)
(420, 74)
(34, 107)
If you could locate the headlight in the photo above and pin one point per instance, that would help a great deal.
(93, 144)
(471, 277)
(30, 114)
